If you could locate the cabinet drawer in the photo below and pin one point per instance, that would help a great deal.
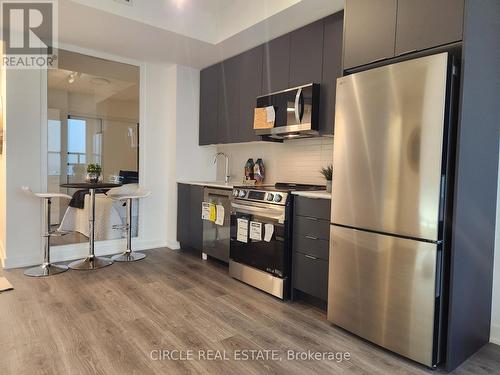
(311, 245)
(318, 208)
(309, 226)
(310, 275)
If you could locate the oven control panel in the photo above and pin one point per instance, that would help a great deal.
(270, 197)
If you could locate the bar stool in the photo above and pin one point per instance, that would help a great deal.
(128, 255)
(47, 268)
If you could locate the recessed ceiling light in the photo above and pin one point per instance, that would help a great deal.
(100, 81)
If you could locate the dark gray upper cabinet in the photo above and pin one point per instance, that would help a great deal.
(428, 23)
(276, 64)
(209, 89)
(369, 31)
(229, 101)
(306, 54)
(332, 69)
(250, 87)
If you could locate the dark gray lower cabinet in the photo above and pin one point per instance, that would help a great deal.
(311, 233)
(189, 223)
(310, 275)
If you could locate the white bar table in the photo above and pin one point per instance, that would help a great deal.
(91, 262)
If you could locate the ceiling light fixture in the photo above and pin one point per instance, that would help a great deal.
(73, 76)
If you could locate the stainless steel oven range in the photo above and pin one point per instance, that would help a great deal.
(261, 234)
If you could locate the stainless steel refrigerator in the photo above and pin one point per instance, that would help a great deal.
(389, 185)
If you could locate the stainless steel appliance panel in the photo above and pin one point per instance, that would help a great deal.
(216, 238)
(388, 145)
(383, 288)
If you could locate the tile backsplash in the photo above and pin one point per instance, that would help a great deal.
(291, 161)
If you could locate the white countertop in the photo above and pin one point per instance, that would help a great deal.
(313, 194)
(214, 184)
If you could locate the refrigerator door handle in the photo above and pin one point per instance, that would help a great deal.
(442, 196)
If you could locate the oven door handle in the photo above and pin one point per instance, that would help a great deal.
(261, 211)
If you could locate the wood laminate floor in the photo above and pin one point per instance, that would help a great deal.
(110, 320)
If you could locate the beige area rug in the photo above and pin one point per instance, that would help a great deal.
(5, 285)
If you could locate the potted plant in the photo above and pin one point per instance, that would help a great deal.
(327, 173)
(93, 173)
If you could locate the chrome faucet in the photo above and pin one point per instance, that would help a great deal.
(227, 176)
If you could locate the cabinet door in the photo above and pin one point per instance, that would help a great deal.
(183, 213)
(428, 23)
(310, 275)
(306, 54)
(250, 87)
(195, 221)
(332, 69)
(229, 101)
(209, 89)
(369, 32)
(276, 64)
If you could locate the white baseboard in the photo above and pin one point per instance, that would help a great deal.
(79, 251)
(495, 334)
(173, 245)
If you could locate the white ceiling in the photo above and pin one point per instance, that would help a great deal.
(195, 33)
(210, 21)
(93, 85)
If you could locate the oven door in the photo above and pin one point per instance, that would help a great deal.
(270, 257)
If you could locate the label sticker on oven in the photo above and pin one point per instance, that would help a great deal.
(255, 231)
(205, 210)
(242, 232)
(269, 232)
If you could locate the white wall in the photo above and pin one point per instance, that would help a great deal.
(495, 313)
(292, 161)
(23, 132)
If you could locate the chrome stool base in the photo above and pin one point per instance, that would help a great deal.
(127, 256)
(45, 270)
(90, 263)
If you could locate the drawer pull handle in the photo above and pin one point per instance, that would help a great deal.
(311, 218)
(312, 238)
(311, 257)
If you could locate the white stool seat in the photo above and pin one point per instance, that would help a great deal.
(52, 195)
(46, 195)
(135, 195)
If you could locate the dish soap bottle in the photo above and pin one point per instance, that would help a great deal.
(258, 171)
(249, 165)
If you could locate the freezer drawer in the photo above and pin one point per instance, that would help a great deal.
(383, 288)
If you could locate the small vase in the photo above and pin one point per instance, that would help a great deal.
(92, 177)
(329, 186)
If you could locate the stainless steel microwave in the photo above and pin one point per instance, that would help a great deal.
(296, 112)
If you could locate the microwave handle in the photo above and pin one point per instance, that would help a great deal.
(298, 114)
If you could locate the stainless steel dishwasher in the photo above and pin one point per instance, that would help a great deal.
(216, 238)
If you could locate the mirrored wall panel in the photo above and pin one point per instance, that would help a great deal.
(93, 125)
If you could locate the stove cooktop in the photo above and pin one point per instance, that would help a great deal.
(283, 187)
(272, 194)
